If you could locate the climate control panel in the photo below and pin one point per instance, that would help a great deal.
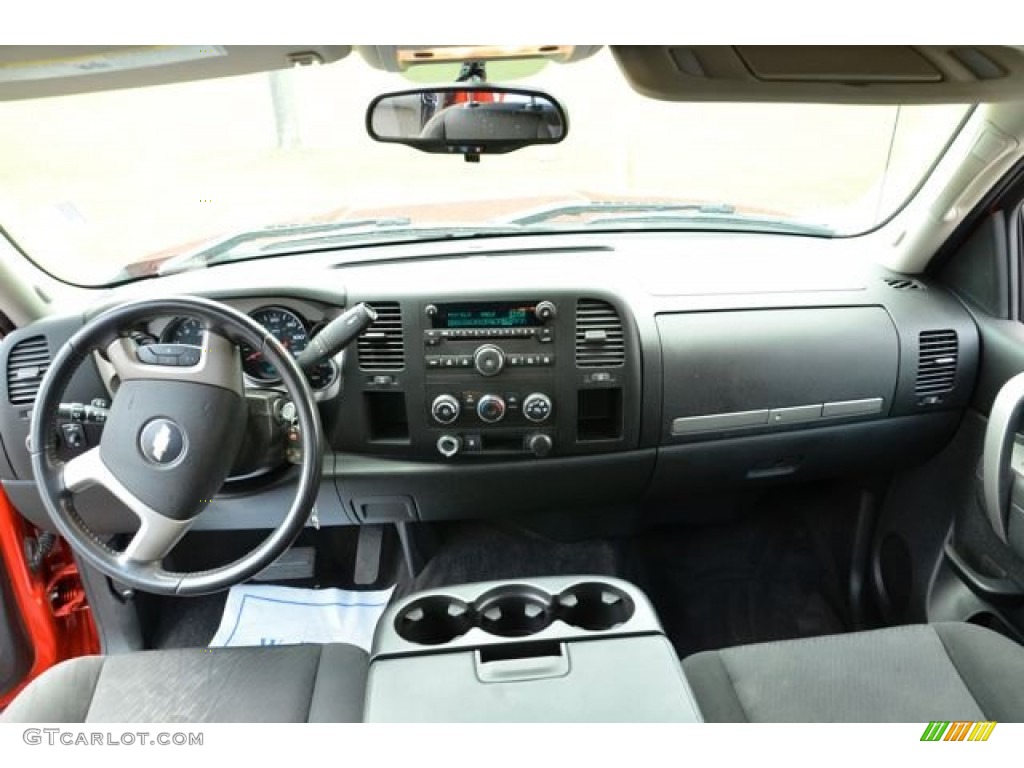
(472, 407)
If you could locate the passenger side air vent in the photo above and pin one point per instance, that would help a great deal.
(381, 347)
(903, 284)
(599, 339)
(26, 365)
(936, 366)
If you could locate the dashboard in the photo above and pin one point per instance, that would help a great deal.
(600, 374)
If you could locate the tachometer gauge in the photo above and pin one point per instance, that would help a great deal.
(283, 325)
(183, 330)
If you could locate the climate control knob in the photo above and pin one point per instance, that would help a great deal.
(537, 407)
(445, 409)
(490, 408)
(489, 360)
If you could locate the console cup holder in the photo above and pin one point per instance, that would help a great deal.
(434, 620)
(594, 606)
(514, 611)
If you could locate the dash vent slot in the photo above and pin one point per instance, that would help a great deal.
(903, 284)
(26, 365)
(936, 366)
(381, 347)
(599, 338)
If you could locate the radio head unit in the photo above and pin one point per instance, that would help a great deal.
(491, 314)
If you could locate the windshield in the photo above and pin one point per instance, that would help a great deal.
(94, 183)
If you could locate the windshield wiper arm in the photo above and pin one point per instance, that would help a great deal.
(673, 214)
(738, 221)
(218, 250)
(578, 209)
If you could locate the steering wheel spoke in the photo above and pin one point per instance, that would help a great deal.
(155, 538)
(83, 472)
(156, 535)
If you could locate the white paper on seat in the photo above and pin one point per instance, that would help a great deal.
(270, 615)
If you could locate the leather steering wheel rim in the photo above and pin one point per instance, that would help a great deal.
(220, 371)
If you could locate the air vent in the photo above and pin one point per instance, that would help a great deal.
(599, 341)
(936, 366)
(26, 365)
(381, 347)
(903, 284)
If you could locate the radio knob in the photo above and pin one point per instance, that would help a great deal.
(490, 408)
(537, 407)
(489, 360)
(545, 311)
(445, 409)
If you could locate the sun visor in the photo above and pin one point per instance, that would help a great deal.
(866, 74)
(30, 71)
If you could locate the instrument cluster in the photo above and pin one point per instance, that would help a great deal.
(291, 329)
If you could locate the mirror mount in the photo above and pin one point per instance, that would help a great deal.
(468, 119)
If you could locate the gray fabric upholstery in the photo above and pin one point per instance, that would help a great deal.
(915, 673)
(991, 666)
(266, 684)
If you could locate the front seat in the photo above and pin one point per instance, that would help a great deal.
(917, 673)
(270, 684)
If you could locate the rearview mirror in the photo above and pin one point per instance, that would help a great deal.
(470, 120)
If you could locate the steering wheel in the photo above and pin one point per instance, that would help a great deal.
(168, 443)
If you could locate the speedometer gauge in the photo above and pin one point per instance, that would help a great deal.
(283, 325)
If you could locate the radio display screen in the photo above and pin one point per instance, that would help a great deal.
(491, 314)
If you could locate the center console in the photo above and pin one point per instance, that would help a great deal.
(559, 649)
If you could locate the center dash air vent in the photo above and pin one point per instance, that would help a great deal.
(903, 284)
(381, 347)
(26, 365)
(599, 340)
(936, 366)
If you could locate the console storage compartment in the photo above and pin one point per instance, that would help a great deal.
(552, 649)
